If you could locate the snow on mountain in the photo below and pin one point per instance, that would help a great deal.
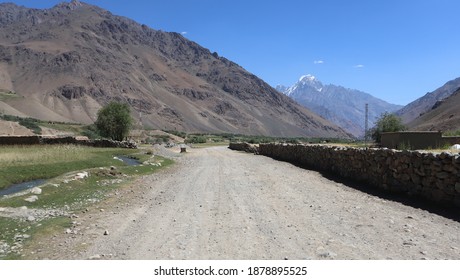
(305, 82)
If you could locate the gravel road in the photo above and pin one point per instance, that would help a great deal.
(220, 204)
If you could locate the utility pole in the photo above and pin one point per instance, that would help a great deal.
(366, 128)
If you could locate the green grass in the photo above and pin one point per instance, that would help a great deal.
(452, 133)
(76, 129)
(210, 144)
(6, 95)
(24, 163)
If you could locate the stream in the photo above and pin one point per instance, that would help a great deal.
(21, 186)
(128, 161)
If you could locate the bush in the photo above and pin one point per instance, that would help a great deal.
(196, 139)
(91, 132)
(180, 134)
(452, 133)
(31, 124)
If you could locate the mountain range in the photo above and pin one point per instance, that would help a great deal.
(66, 62)
(343, 106)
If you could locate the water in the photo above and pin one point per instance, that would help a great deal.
(129, 161)
(21, 186)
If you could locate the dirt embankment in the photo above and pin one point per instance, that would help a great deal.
(221, 204)
(13, 129)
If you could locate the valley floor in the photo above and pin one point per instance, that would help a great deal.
(220, 204)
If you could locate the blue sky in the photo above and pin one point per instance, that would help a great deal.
(396, 50)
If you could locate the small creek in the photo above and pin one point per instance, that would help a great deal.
(129, 161)
(21, 186)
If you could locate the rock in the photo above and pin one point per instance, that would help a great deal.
(31, 198)
(442, 175)
(457, 187)
(68, 231)
(95, 257)
(82, 175)
(36, 190)
(113, 167)
(30, 218)
(455, 147)
(409, 243)
(106, 232)
(328, 255)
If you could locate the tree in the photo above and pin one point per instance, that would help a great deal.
(387, 123)
(114, 121)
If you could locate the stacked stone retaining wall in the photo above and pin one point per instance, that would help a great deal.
(37, 140)
(19, 140)
(433, 177)
(244, 147)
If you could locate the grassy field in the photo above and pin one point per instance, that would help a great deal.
(24, 163)
(61, 192)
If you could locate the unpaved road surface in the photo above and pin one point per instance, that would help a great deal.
(220, 204)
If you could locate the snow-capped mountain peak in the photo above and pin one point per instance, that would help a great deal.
(307, 77)
(305, 81)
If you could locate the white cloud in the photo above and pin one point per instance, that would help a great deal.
(359, 66)
(318, 62)
(183, 32)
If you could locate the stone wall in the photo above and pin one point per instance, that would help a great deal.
(19, 140)
(37, 140)
(245, 147)
(433, 177)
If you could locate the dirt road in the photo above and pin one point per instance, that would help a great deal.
(220, 204)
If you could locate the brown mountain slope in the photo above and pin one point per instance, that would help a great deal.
(444, 116)
(424, 104)
(66, 62)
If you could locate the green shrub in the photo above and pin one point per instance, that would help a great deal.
(177, 133)
(452, 133)
(387, 123)
(195, 139)
(91, 132)
(114, 121)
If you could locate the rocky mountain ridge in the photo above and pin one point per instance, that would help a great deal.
(65, 62)
(426, 103)
(342, 106)
(443, 116)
